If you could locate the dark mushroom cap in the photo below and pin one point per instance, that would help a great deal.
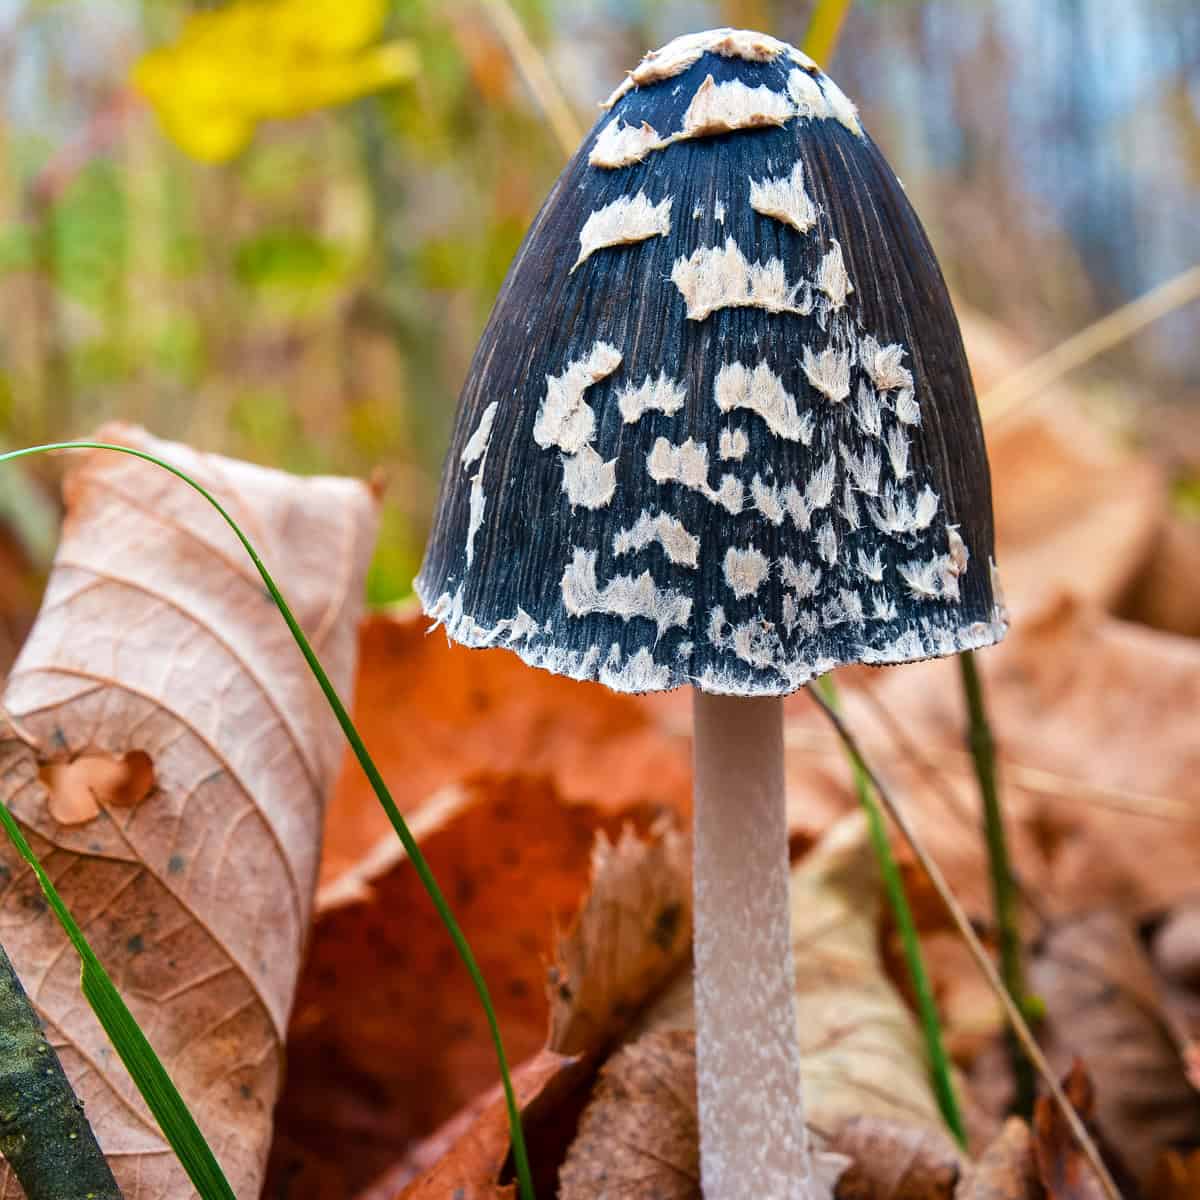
(720, 428)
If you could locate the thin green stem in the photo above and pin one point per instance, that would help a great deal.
(44, 1135)
(520, 1155)
(939, 1063)
(1004, 892)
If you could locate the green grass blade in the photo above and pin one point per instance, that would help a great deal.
(177, 1123)
(939, 1063)
(424, 873)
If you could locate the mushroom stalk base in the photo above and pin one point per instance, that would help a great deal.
(753, 1142)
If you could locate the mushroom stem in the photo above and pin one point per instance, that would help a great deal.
(753, 1141)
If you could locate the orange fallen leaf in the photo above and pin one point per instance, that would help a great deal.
(157, 642)
(368, 1077)
(468, 1158)
(433, 714)
(1065, 1172)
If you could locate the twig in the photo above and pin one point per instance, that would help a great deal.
(1029, 384)
(939, 1065)
(531, 62)
(978, 953)
(43, 1133)
(1004, 909)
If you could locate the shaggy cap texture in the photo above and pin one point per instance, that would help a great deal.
(720, 428)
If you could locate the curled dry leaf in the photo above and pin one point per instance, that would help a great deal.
(1007, 1169)
(639, 1138)
(1065, 1172)
(18, 596)
(365, 1080)
(157, 642)
(632, 934)
(891, 1161)
(1103, 1007)
(470, 1157)
(434, 714)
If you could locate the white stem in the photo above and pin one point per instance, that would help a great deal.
(753, 1143)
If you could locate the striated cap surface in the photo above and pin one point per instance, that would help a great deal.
(719, 429)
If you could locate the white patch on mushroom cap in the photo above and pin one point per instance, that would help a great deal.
(623, 596)
(730, 106)
(897, 448)
(785, 199)
(661, 394)
(588, 480)
(898, 513)
(870, 411)
(841, 106)
(849, 505)
(564, 418)
(680, 546)
(884, 364)
(862, 468)
(620, 145)
(477, 443)
(720, 277)
(476, 449)
(871, 566)
(907, 409)
(626, 220)
(746, 570)
(733, 444)
(676, 56)
(827, 546)
(639, 673)
(832, 277)
(688, 464)
(802, 578)
(762, 392)
(828, 372)
(807, 96)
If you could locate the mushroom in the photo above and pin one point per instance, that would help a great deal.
(720, 432)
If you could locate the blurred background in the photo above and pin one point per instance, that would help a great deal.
(274, 228)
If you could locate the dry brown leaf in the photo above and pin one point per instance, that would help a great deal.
(1103, 1007)
(1099, 765)
(433, 714)
(1065, 1172)
(1074, 511)
(1175, 950)
(18, 597)
(157, 638)
(891, 1161)
(1177, 1176)
(638, 1139)
(366, 1078)
(1007, 1169)
(632, 934)
(1166, 592)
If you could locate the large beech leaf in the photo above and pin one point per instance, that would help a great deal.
(169, 756)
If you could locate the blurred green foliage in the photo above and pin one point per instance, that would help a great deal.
(313, 299)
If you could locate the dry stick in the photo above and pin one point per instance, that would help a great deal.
(43, 1133)
(538, 79)
(1031, 381)
(1004, 908)
(978, 953)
